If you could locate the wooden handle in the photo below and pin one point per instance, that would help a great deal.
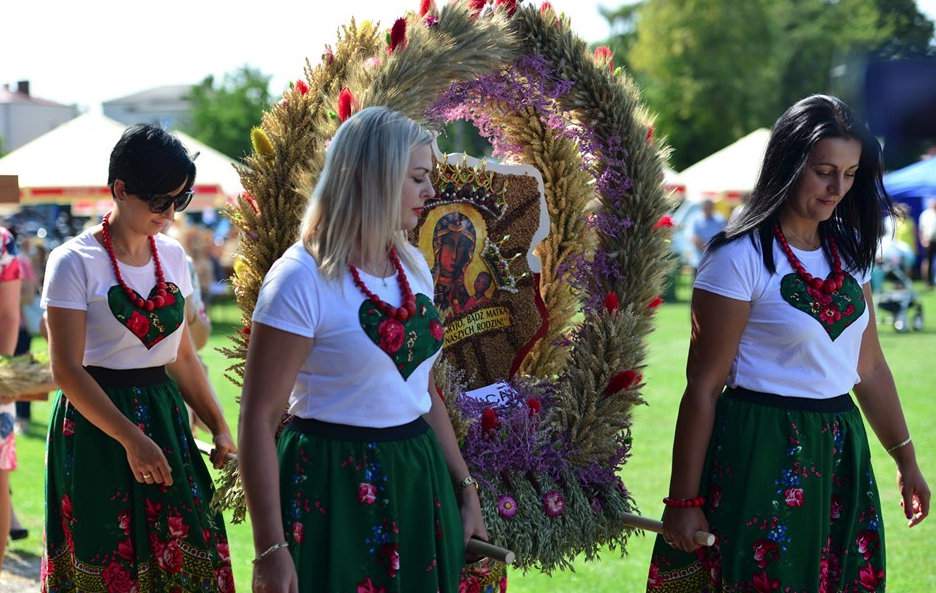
(703, 538)
(206, 449)
(483, 548)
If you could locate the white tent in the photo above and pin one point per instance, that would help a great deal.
(730, 172)
(68, 165)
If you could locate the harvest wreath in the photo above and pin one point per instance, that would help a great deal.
(548, 452)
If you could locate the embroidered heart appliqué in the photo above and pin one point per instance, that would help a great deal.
(151, 327)
(408, 343)
(835, 312)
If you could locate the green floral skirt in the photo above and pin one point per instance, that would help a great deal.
(369, 510)
(791, 498)
(106, 532)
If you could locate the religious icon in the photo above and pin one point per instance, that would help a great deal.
(478, 235)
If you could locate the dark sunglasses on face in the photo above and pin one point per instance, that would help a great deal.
(160, 203)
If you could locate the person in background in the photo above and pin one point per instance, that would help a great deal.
(706, 225)
(10, 281)
(927, 229)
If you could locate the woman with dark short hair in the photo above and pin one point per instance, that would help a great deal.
(127, 493)
(770, 452)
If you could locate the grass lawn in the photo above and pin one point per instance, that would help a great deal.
(646, 474)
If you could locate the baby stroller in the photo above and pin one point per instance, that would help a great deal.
(897, 297)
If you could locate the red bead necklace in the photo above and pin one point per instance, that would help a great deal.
(836, 277)
(402, 313)
(158, 301)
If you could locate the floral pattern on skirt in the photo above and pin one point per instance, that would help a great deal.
(792, 500)
(369, 517)
(108, 533)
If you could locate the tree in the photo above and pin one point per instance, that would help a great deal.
(223, 114)
(715, 70)
(706, 69)
(623, 23)
(908, 32)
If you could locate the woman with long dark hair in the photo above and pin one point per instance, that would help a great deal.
(770, 452)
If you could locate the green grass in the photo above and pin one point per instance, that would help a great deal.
(646, 474)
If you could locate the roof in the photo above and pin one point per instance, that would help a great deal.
(78, 151)
(159, 94)
(8, 96)
(733, 169)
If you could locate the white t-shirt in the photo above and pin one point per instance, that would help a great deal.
(347, 378)
(928, 224)
(79, 276)
(783, 350)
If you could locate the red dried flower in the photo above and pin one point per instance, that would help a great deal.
(477, 6)
(489, 420)
(604, 54)
(535, 405)
(245, 330)
(345, 102)
(623, 380)
(397, 35)
(649, 135)
(425, 7)
(329, 56)
(544, 7)
(656, 302)
(665, 222)
(301, 87)
(509, 5)
(611, 302)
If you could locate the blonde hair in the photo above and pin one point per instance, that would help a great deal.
(357, 200)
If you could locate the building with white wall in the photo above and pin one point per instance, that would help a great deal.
(24, 117)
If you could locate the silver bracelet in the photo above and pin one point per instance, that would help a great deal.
(902, 443)
(269, 551)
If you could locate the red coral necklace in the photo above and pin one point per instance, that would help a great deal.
(402, 313)
(156, 302)
(833, 281)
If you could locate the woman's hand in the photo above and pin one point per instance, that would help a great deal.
(224, 447)
(472, 520)
(276, 573)
(680, 526)
(914, 492)
(146, 459)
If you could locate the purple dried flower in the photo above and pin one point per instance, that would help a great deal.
(506, 507)
(554, 503)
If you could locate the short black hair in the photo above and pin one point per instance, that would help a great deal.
(150, 161)
(858, 221)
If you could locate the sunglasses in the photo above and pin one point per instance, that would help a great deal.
(159, 203)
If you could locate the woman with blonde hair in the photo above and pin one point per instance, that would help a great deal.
(345, 330)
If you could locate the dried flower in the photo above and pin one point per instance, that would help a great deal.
(622, 381)
(397, 35)
(506, 507)
(425, 7)
(554, 503)
(509, 5)
(665, 222)
(301, 87)
(604, 55)
(611, 302)
(489, 420)
(345, 103)
(656, 302)
(261, 142)
(535, 405)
